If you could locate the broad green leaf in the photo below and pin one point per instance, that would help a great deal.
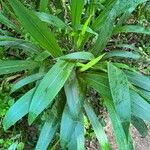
(88, 29)
(38, 30)
(26, 46)
(4, 20)
(140, 125)
(18, 110)
(105, 21)
(83, 31)
(10, 66)
(99, 82)
(140, 107)
(101, 85)
(74, 95)
(132, 28)
(51, 124)
(122, 54)
(146, 93)
(43, 5)
(123, 66)
(91, 63)
(42, 56)
(51, 20)
(78, 55)
(76, 11)
(72, 131)
(125, 16)
(49, 88)
(98, 129)
(120, 94)
(47, 134)
(117, 126)
(26, 80)
(138, 80)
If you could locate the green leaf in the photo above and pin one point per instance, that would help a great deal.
(91, 63)
(132, 28)
(4, 20)
(78, 55)
(117, 126)
(49, 88)
(104, 23)
(74, 138)
(72, 131)
(26, 46)
(47, 134)
(76, 11)
(51, 20)
(10, 66)
(98, 129)
(140, 107)
(101, 85)
(18, 110)
(99, 82)
(43, 5)
(88, 29)
(74, 95)
(122, 54)
(83, 31)
(42, 56)
(38, 30)
(138, 80)
(140, 125)
(26, 81)
(120, 93)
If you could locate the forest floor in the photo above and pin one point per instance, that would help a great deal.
(139, 142)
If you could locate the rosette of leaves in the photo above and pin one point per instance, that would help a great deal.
(65, 55)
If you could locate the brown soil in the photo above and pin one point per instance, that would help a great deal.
(139, 142)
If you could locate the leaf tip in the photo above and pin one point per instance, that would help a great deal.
(31, 118)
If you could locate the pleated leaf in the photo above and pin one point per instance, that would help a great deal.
(105, 21)
(132, 28)
(38, 30)
(120, 93)
(26, 46)
(98, 129)
(47, 134)
(74, 137)
(72, 131)
(49, 88)
(102, 87)
(25, 81)
(11, 66)
(99, 82)
(140, 125)
(43, 5)
(76, 11)
(51, 20)
(18, 110)
(4, 20)
(140, 107)
(139, 80)
(78, 55)
(122, 54)
(117, 126)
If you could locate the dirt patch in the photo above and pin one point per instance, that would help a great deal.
(138, 142)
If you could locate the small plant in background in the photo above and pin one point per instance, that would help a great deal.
(63, 48)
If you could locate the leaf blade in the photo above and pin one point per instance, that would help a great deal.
(49, 88)
(36, 28)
